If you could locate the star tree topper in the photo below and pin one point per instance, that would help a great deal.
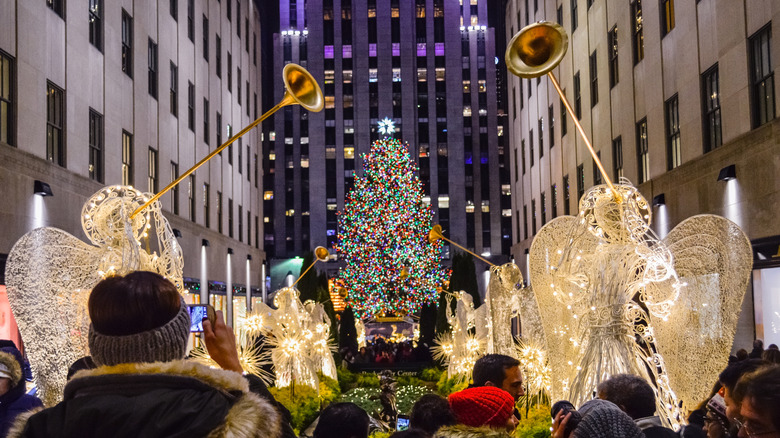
(386, 126)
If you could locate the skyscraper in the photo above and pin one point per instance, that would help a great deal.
(428, 65)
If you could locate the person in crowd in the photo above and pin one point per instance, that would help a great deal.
(728, 379)
(772, 347)
(342, 420)
(742, 354)
(771, 356)
(143, 387)
(430, 413)
(411, 433)
(600, 419)
(758, 349)
(716, 424)
(758, 396)
(362, 356)
(634, 396)
(13, 397)
(483, 407)
(84, 363)
(499, 371)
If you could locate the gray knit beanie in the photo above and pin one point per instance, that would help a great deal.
(603, 419)
(162, 344)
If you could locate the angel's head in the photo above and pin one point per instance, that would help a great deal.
(105, 216)
(622, 218)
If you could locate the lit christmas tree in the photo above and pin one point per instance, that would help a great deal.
(390, 265)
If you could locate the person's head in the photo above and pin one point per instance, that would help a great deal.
(771, 356)
(484, 406)
(139, 317)
(431, 412)
(758, 394)
(716, 423)
(632, 394)
(758, 344)
(729, 378)
(742, 354)
(342, 420)
(601, 418)
(84, 363)
(11, 374)
(772, 347)
(499, 371)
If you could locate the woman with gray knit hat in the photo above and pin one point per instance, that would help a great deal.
(600, 419)
(143, 387)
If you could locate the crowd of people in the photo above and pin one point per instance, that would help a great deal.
(386, 351)
(137, 383)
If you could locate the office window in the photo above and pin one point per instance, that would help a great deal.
(7, 81)
(596, 173)
(637, 31)
(230, 217)
(238, 20)
(711, 109)
(573, 15)
(522, 154)
(58, 6)
(191, 196)
(673, 147)
(219, 211)
(174, 90)
(612, 46)
(152, 177)
(762, 77)
(55, 124)
(533, 217)
(153, 75)
(240, 222)
(238, 85)
(218, 56)
(667, 17)
(256, 170)
(229, 9)
(246, 106)
(257, 232)
(175, 189)
(594, 80)
(127, 158)
(642, 151)
(541, 138)
(525, 222)
(230, 72)
(206, 130)
(554, 200)
(577, 96)
(205, 38)
(517, 170)
(240, 155)
(564, 123)
(191, 20)
(531, 147)
(127, 43)
(191, 106)
(95, 146)
(96, 23)
(617, 157)
(206, 204)
(174, 8)
(566, 207)
(580, 181)
(543, 207)
(551, 128)
(248, 164)
(558, 15)
(218, 130)
(254, 48)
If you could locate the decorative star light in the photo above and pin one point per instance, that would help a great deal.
(386, 126)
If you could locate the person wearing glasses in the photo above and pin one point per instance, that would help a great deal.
(758, 396)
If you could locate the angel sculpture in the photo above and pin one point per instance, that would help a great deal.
(502, 303)
(616, 299)
(50, 274)
(360, 327)
(460, 348)
(319, 337)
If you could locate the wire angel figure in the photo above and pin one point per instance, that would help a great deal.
(494, 317)
(321, 345)
(460, 348)
(616, 299)
(50, 274)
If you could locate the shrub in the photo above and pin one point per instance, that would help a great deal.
(432, 374)
(304, 403)
(536, 424)
(447, 386)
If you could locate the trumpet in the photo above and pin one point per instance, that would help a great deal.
(300, 88)
(535, 51)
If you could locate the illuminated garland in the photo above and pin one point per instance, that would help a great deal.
(390, 265)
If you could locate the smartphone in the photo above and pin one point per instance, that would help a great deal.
(197, 313)
(402, 423)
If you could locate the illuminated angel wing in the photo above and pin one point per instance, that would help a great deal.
(50, 274)
(561, 329)
(713, 257)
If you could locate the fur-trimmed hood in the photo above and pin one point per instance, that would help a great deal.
(11, 366)
(463, 431)
(166, 399)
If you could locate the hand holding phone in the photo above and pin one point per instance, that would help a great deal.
(197, 313)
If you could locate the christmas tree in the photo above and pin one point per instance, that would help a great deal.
(390, 265)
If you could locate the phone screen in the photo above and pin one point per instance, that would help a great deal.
(197, 313)
(402, 423)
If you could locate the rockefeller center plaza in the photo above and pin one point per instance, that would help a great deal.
(389, 218)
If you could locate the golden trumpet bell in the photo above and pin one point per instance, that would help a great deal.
(321, 253)
(536, 49)
(435, 234)
(301, 88)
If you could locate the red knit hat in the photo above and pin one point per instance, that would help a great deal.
(482, 406)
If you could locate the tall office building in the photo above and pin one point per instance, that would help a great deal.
(428, 65)
(97, 92)
(678, 97)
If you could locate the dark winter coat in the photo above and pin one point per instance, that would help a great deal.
(15, 401)
(179, 399)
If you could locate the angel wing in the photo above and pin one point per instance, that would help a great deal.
(713, 259)
(50, 274)
(560, 327)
